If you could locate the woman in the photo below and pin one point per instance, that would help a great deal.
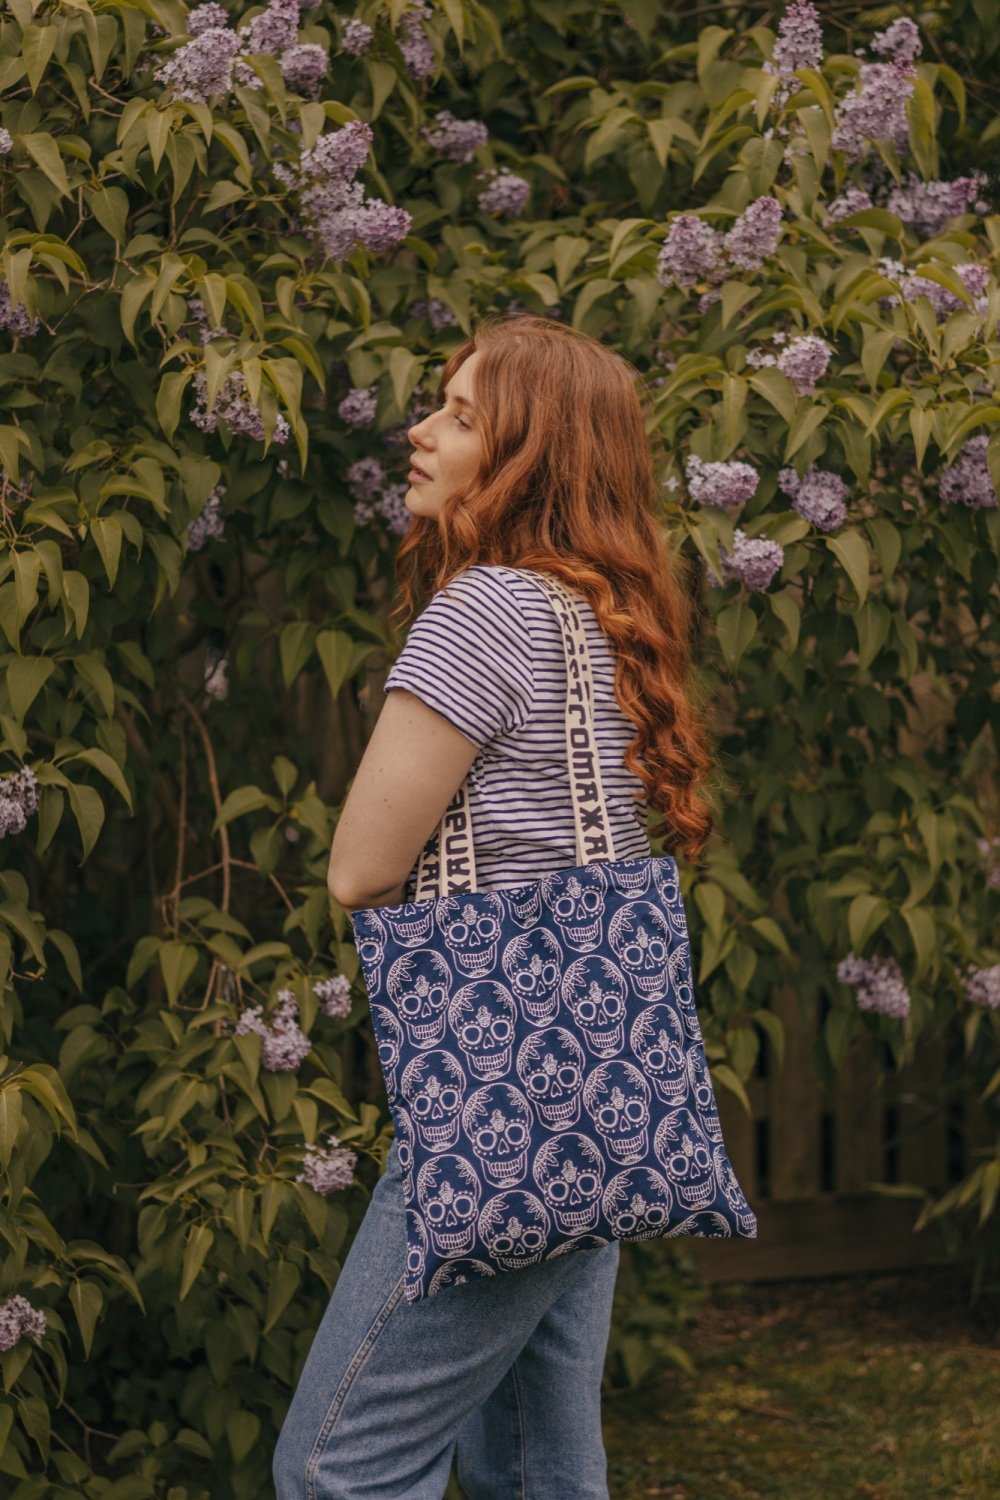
(537, 458)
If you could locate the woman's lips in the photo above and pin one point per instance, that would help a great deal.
(416, 475)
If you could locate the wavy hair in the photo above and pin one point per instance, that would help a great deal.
(567, 486)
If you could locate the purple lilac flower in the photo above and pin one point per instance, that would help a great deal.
(208, 17)
(418, 54)
(358, 406)
(755, 234)
(330, 1169)
(692, 251)
(982, 986)
(273, 30)
(878, 112)
(438, 313)
(303, 67)
(339, 155)
(455, 139)
(504, 193)
(336, 209)
(799, 44)
(6, 142)
(357, 37)
(851, 201)
(878, 984)
(15, 319)
(820, 496)
(393, 510)
(235, 408)
(18, 1319)
(753, 560)
(202, 68)
(727, 485)
(216, 679)
(210, 522)
(285, 1045)
(975, 274)
(18, 800)
(968, 480)
(804, 361)
(205, 334)
(334, 995)
(927, 206)
(990, 851)
(900, 41)
(366, 478)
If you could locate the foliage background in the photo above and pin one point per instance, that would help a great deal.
(174, 872)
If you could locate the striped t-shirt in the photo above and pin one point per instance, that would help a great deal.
(487, 654)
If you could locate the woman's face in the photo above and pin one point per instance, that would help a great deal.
(448, 445)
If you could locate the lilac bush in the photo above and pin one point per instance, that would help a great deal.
(458, 140)
(968, 481)
(982, 986)
(727, 485)
(18, 800)
(18, 1319)
(357, 37)
(330, 1168)
(357, 408)
(878, 984)
(285, 1045)
(820, 496)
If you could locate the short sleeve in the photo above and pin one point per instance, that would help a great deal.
(468, 656)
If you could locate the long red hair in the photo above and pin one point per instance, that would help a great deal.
(568, 487)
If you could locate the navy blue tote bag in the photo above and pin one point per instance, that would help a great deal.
(540, 1045)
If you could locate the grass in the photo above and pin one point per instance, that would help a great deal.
(873, 1388)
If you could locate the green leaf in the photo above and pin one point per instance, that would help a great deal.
(177, 963)
(43, 149)
(200, 1241)
(88, 810)
(169, 397)
(335, 649)
(295, 648)
(242, 1432)
(109, 769)
(10, 1120)
(26, 676)
(865, 916)
(736, 626)
(86, 1299)
(852, 553)
(245, 799)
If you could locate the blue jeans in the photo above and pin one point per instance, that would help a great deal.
(503, 1373)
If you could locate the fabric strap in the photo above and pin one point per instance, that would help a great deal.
(447, 863)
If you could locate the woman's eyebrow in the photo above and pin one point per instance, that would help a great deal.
(460, 400)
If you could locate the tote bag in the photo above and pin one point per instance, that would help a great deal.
(540, 1045)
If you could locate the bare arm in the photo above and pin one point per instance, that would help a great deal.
(414, 763)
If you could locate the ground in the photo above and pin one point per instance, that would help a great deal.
(868, 1388)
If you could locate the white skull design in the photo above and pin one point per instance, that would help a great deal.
(594, 991)
(456, 1272)
(404, 1139)
(471, 926)
(705, 1226)
(448, 1193)
(683, 1151)
(630, 877)
(389, 1036)
(581, 1242)
(523, 902)
(616, 1097)
(434, 1089)
(637, 1204)
(370, 938)
(704, 1094)
(746, 1219)
(665, 879)
(682, 990)
(420, 986)
(481, 1016)
(577, 902)
(411, 923)
(569, 1169)
(514, 1226)
(497, 1120)
(531, 964)
(658, 1042)
(638, 934)
(416, 1246)
(550, 1067)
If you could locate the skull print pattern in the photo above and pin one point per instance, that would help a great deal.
(560, 1098)
(540, 1044)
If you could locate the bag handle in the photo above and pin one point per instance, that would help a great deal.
(454, 872)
